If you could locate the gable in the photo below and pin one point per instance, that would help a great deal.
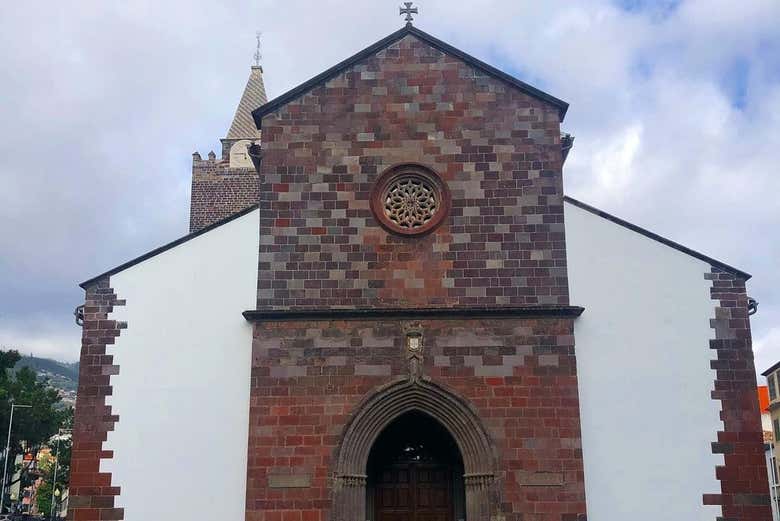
(488, 153)
(444, 47)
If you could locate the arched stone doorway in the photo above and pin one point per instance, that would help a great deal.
(415, 473)
(391, 403)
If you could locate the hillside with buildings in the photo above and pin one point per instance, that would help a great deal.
(63, 376)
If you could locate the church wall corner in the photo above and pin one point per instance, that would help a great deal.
(744, 494)
(93, 494)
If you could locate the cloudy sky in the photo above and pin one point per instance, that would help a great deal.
(674, 105)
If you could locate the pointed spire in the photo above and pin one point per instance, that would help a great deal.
(243, 126)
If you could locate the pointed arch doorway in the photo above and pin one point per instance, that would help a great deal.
(353, 499)
(415, 473)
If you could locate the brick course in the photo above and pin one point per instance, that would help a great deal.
(92, 493)
(308, 378)
(744, 492)
(497, 148)
(219, 191)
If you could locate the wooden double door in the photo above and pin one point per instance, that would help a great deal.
(414, 492)
(415, 473)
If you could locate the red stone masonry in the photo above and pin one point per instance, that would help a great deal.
(519, 375)
(219, 191)
(501, 245)
(744, 487)
(497, 148)
(92, 493)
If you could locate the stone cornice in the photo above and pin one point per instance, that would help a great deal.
(495, 312)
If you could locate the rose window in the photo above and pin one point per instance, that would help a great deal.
(409, 200)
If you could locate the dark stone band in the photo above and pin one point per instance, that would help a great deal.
(495, 312)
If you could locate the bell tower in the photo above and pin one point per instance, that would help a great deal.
(228, 184)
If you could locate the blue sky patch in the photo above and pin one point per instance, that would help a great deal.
(735, 82)
(659, 9)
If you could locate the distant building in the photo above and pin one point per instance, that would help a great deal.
(769, 450)
(766, 417)
(770, 419)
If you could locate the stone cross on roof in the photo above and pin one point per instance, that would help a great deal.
(257, 54)
(408, 11)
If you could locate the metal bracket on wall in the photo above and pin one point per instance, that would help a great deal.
(752, 306)
(78, 313)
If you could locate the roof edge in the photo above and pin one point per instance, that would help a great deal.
(446, 48)
(771, 369)
(170, 245)
(663, 240)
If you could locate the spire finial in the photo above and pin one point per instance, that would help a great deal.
(408, 10)
(257, 54)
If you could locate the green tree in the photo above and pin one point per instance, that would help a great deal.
(43, 498)
(33, 427)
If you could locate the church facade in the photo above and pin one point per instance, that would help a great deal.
(388, 310)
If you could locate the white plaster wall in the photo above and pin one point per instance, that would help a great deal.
(182, 393)
(644, 374)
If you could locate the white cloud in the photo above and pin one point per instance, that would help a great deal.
(612, 163)
(673, 111)
(42, 339)
(766, 349)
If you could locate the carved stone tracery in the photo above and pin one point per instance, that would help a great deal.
(410, 201)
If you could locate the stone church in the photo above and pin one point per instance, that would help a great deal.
(387, 309)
